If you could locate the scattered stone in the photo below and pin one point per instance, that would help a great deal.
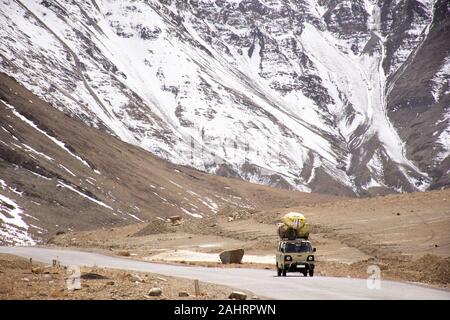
(135, 278)
(175, 219)
(25, 280)
(92, 276)
(255, 298)
(75, 288)
(37, 270)
(398, 213)
(183, 294)
(155, 292)
(56, 294)
(230, 219)
(5, 289)
(213, 225)
(110, 283)
(232, 256)
(162, 279)
(238, 295)
(123, 253)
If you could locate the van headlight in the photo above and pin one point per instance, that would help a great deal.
(287, 258)
(310, 258)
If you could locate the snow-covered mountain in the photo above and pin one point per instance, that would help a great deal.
(345, 97)
(58, 174)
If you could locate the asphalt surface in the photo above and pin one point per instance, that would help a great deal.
(263, 283)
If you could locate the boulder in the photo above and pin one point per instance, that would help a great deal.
(92, 276)
(183, 294)
(175, 219)
(232, 256)
(135, 278)
(124, 253)
(155, 292)
(238, 295)
(37, 270)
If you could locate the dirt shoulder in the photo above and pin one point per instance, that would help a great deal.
(21, 280)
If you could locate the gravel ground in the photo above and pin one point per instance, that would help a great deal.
(21, 280)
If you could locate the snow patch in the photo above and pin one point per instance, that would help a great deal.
(13, 229)
(33, 125)
(62, 184)
(67, 170)
(195, 215)
(37, 152)
(441, 81)
(444, 141)
(174, 183)
(135, 217)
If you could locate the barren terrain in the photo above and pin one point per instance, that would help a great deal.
(90, 190)
(406, 235)
(21, 280)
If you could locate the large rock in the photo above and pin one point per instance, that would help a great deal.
(135, 278)
(175, 220)
(92, 276)
(238, 295)
(232, 256)
(155, 292)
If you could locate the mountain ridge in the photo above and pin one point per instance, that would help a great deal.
(307, 95)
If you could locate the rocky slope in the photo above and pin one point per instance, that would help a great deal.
(57, 174)
(345, 97)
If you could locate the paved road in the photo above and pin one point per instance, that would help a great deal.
(261, 282)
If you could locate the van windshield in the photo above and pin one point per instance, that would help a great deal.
(298, 247)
